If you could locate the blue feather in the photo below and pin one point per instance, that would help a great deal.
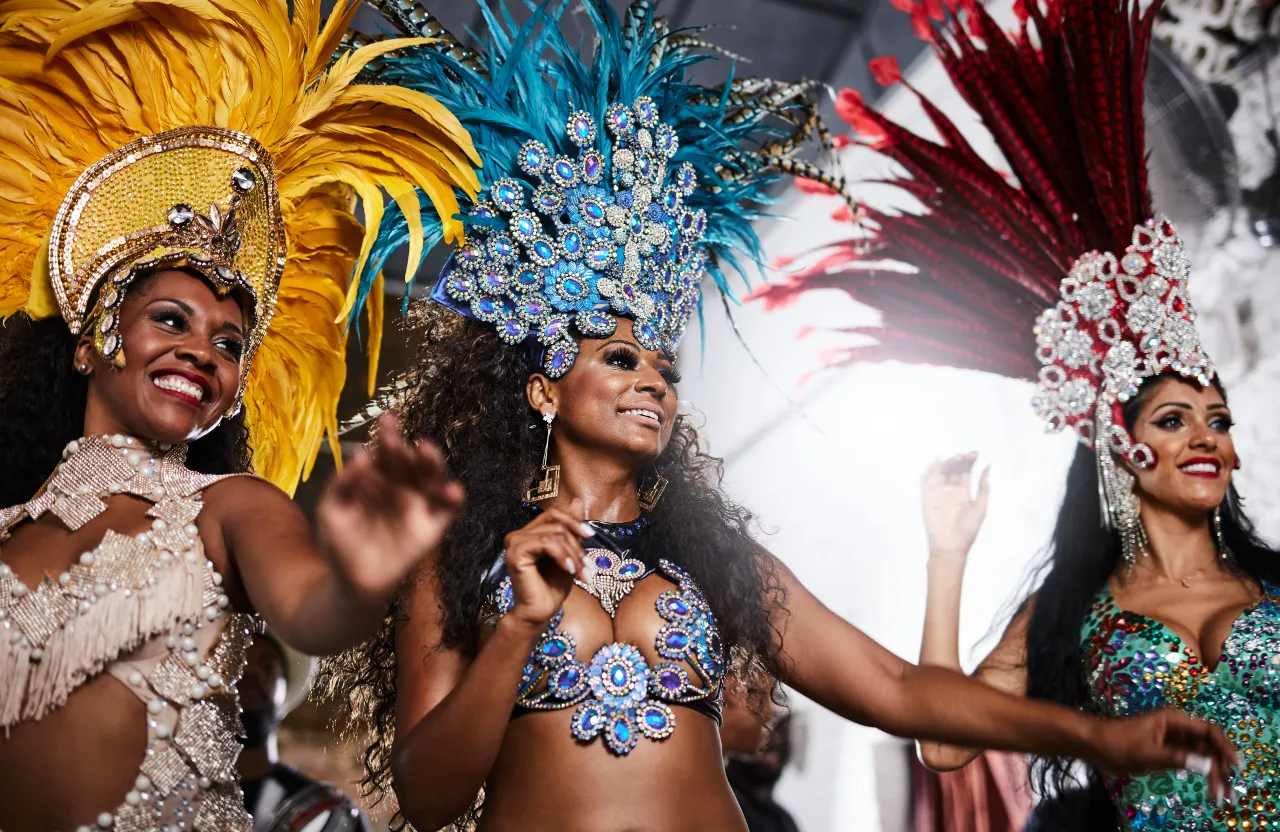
(534, 79)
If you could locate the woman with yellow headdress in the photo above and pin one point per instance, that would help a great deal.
(178, 226)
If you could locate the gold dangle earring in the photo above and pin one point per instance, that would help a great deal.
(649, 497)
(548, 485)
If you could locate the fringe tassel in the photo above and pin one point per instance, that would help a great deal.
(115, 625)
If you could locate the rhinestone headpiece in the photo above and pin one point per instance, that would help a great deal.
(597, 238)
(202, 198)
(1121, 320)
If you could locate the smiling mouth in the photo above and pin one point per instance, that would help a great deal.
(1201, 469)
(645, 414)
(180, 387)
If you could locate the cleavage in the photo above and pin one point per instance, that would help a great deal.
(45, 548)
(1214, 631)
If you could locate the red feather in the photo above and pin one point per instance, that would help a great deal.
(1062, 96)
(885, 70)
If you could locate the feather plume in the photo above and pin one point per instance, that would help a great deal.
(80, 78)
(962, 284)
(523, 82)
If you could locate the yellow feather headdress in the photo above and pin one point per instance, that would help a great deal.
(168, 131)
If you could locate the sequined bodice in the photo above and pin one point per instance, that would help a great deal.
(1135, 664)
(617, 694)
(147, 609)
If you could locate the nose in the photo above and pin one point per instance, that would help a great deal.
(653, 383)
(1204, 438)
(198, 351)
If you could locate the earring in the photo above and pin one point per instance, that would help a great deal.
(649, 497)
(548, 484)
(1121, 508)
(1224, 551)
(82, 369)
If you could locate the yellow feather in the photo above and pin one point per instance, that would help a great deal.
(79, 78)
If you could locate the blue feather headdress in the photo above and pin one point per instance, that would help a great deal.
(610, 184)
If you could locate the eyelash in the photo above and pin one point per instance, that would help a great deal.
(1170, 422)
(175, 319)
(625, 358)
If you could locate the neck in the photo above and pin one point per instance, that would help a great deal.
(257, 761)
(606, 486)
(1181, 543)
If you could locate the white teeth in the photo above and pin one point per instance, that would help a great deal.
(1201, 468)
(648, 414)
(180, 385)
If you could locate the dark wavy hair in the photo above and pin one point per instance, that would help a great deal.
(468, 395)
(1082, 556)
(42, 402)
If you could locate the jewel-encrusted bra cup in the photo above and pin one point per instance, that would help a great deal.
(1134, 664)
(148, 609)
(617, 694)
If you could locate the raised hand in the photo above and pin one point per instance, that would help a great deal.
(387, 511)
(952, 516)
(542, 559)
(1166, 739)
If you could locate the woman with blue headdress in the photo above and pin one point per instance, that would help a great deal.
(566, 650)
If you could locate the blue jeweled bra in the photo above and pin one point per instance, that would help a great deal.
(618, 695)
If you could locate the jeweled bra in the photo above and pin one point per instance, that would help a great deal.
(617, 695)
(148, 609)
(1135, 664)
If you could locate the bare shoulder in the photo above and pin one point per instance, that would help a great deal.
(247, 494)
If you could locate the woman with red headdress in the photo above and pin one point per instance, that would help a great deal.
(1157, 592)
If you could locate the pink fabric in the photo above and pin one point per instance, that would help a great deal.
(991, 794)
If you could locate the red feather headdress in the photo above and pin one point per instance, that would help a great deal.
(1062, 96)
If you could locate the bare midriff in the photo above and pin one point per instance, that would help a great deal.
(546, 780)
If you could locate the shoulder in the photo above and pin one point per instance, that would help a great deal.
(245, 495)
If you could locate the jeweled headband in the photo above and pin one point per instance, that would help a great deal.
(612, 184)
(201, 198)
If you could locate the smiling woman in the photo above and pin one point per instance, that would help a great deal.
(174, 300)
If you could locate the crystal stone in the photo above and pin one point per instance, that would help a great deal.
(180, 215)
(244, 180)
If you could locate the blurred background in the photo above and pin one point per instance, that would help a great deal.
(830, 460)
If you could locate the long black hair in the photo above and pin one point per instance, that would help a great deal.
(1082, 556)
(42, 402)
(468, 395)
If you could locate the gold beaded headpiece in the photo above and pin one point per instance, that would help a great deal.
(228, 138)
(201, 198)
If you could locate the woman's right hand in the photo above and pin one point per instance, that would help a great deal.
(542, 559)
(952, 516)
(1162, 740)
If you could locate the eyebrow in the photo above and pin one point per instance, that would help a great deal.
(1185, 406)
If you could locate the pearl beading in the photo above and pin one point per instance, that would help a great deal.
(160, 578)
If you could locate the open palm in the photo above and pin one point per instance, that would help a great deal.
(387, 511)
(952, 513)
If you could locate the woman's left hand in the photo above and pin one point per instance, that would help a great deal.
(387, 511)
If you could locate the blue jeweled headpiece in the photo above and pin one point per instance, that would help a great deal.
(610, 185)
(624, 243)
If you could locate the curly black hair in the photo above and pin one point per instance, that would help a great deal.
(468, 395)
(1083, 554)
(42, 402)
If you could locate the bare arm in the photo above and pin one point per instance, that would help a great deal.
(1004, 668)
(953, 516)
(840, 668)
(383, 514)
(452, 710)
